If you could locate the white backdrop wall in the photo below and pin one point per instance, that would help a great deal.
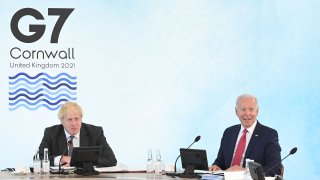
(155, 74)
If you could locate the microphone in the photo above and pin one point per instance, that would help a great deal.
(175, 164)
(293, 150)
(64, 151)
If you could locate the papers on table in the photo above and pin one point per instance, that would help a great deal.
(233, 175)
(111, 169)
(62, 167)
(66, 169)
(118, 169)
(226, 175)
(216, 175)
(209, 172)
(211, 177)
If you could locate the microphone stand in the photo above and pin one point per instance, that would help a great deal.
(293, 150)
(175, 168)
(61, 171)
(175, 164)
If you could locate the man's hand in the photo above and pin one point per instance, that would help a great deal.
(235, 168)
(214, 168)
(65, 161)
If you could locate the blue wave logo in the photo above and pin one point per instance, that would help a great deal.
(42, 90)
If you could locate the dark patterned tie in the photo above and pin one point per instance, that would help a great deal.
(240, 149)
(70, 144)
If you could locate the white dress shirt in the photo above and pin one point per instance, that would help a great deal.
(248, 137)
(75, 142)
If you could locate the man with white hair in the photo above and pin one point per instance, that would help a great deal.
(249, 139)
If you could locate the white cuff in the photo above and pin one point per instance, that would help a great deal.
(57, 160)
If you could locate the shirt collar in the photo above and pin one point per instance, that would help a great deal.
(68, 135)
(251, 128)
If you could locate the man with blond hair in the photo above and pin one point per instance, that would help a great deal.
(72, 129)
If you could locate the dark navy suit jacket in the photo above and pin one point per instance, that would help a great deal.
(263, 148)
(55, 140)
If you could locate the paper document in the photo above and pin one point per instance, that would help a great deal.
(202, 172)
(110, 169)
(233, 175)
(209, 172)
(211, 177)
(62, 167)
(115, 169)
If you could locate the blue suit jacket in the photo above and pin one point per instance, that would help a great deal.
(263, 148)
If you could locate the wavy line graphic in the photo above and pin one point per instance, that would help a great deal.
(15, 90)
(40, 96)
(26, 90)
(35, 108)
(25, 74)
(59, 97)
(26, 86)
(37, 102)
(26, 102)
(26, 96)
(25, 80)
(66, 90)
(40, 74)
(62, 84)
(42, 79)
(41, 90)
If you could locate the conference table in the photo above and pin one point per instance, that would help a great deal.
(116, 176)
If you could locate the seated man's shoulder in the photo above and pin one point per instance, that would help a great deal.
(54, 127)
(267, 128)
(267, 131)
(91, 127)
(232, 129)
(54, 130)
(237, 126)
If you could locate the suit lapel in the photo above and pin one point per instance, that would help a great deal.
(253, 140)
(84, 138)
(233, 141)
(62, 140)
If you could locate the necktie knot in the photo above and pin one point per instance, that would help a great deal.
(71, 139)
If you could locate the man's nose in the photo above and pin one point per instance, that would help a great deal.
(247, 112)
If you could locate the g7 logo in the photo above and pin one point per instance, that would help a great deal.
(39, 30)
